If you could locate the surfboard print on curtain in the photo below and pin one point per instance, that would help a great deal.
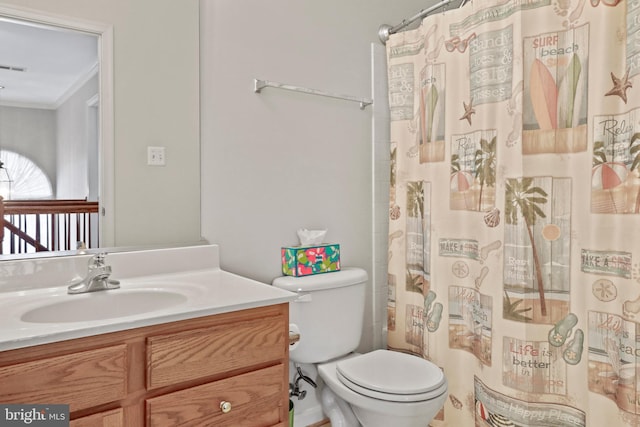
(431, 113)
(555, 95)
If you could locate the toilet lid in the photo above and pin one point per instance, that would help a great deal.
(390, 375)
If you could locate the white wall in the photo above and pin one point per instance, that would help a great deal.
(278, 161)
(72, 180)
(156, 102)
(31, 132)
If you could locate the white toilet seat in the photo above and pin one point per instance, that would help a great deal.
(384, 411)
(392, 376)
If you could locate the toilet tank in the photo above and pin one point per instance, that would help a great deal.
(328, 313)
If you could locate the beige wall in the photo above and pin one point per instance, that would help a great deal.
(156, 102)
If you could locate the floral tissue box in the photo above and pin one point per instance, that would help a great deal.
(306, 260)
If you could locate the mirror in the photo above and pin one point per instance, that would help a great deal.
(56, 131)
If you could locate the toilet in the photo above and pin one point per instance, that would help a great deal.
(381, 388)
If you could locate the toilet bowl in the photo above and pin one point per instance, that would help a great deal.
(378, 389)
(385, 388)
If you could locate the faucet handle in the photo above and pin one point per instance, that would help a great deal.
(97, 260)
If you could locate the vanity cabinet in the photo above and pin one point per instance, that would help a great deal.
(113, 418)
(222, 370)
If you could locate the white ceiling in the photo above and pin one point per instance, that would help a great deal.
(56, 62)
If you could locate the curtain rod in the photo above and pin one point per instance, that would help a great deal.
(386, 30)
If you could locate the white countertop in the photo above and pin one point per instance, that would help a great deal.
(192, 271)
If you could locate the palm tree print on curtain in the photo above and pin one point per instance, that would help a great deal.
(485, 172)
(417, 256)
(417, 238)
(535, 262)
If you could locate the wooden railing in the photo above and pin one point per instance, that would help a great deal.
(47, 225)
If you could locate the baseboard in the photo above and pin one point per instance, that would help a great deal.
(322, 423)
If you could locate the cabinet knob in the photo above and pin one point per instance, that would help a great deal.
(225, 407)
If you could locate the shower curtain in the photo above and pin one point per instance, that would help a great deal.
(514, 217)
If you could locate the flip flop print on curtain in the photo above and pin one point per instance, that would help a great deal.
(433, 316)
(559, 334)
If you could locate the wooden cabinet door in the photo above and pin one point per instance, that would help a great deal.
(255, 400)
(80, 380)
(199, 353)
(112, 418)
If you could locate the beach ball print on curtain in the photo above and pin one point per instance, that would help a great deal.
(514, 211)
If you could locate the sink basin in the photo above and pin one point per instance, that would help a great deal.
(103, 305)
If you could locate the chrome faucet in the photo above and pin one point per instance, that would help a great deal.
(97, 277)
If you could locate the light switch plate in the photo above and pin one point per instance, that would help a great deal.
(155, 156)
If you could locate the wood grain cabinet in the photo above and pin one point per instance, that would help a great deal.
(113, 418)
(222, 370)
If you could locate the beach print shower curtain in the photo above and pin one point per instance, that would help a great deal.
(514, 217)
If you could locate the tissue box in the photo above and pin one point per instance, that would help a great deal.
(306, 260)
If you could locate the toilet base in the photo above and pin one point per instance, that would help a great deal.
(342, 414)
(338, 411)
(375, 419)
(370, 412)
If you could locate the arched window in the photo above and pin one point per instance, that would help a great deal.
(28, 181)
